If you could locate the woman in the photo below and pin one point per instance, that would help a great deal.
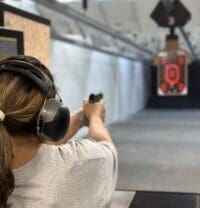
(36, 172)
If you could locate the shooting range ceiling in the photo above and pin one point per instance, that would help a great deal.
(127, 18)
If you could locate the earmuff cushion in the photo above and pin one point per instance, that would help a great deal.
(59, 126)
(53, 120)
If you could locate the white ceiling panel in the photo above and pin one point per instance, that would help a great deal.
(129, 18)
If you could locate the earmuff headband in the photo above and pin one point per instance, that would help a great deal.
(32, 72)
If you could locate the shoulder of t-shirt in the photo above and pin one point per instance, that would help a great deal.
(83, 149)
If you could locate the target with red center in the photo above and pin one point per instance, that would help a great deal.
(172, 74)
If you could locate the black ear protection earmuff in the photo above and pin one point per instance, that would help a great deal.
(53, 119)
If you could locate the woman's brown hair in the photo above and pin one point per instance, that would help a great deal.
(20, 101)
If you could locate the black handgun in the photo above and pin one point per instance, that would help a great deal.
(94, 98)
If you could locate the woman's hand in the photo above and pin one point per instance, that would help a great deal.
(81, 118)
(94, 110)
(95, 113)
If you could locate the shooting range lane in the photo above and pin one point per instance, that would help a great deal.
(159, 150)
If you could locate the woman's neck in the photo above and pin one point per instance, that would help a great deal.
(24, 148)
(25, 139)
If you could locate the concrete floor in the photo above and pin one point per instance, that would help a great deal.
(159, 150)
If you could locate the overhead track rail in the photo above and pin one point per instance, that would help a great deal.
(91, 47)
(77, 16)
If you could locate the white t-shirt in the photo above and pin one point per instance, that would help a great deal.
(78, 174)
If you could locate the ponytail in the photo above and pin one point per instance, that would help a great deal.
(6, 175)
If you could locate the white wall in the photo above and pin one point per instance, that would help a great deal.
(79, 72)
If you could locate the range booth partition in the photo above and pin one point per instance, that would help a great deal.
(144, 199)
(35, 29)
